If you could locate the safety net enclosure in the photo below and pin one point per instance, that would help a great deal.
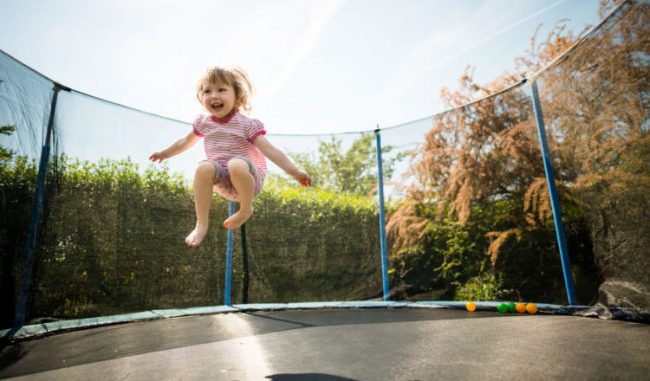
(481, 165)
(90, 228)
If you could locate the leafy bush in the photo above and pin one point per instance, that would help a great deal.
(485, 287)
(111, 241)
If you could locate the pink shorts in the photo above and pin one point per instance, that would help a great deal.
(223, 185)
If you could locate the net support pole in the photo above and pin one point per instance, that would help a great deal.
(244, 255)
(382, 226)
(229, 250)
(37, 211)
(555, 200)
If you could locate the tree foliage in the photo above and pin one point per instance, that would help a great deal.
(17, 178)
(6, 154)
(351, 171)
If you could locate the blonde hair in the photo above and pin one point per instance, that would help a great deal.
(232, 76)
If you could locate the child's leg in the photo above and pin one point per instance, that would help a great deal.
(244, 183)
(203, 180)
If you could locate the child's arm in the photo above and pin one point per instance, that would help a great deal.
(179, 146)
(281, 160)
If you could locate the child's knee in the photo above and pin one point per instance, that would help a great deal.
(238, 166)
(205, 168)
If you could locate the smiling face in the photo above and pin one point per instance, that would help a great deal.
(219, 99)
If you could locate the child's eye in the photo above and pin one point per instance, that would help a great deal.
(223, 89)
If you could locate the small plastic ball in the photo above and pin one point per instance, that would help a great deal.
(502, 307)
(531, 308)
(520, 307)
(471, 307)
(511, 307)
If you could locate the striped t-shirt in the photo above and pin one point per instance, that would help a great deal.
(232, 137)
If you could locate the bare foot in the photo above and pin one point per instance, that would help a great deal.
(238, 219)
(195, 238)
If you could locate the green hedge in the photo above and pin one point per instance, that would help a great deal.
(112, 241)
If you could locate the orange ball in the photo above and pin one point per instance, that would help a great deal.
(471, 307)
(531, 308)
(520, 307)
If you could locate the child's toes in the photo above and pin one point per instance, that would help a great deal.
(236, 220)
(195, 238)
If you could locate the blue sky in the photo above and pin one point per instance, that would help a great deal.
(318, 66)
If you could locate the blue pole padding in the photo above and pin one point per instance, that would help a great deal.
(229, 250)
(555, 200)
(382, 226)
(37, 211)
(32, 236)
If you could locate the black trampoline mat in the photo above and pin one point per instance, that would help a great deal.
(340, 344)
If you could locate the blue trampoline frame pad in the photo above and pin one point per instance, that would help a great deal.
(58, 326)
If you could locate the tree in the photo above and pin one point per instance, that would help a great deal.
(351, 171)
(600, 105)
(16, 190)
(6, 154)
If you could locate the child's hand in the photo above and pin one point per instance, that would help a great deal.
(157, 157)
(303, 178)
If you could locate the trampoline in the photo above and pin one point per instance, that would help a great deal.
(97, 284)
(341, 341)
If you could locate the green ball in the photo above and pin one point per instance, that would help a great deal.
(502, 307)
(511, 307)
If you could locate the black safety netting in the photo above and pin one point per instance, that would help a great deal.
(466, 228)
(110, 238)
(476, 221)
(596, 103)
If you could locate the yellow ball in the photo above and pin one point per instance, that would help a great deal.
(520, 307)
(471, 307)
(531, 308)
